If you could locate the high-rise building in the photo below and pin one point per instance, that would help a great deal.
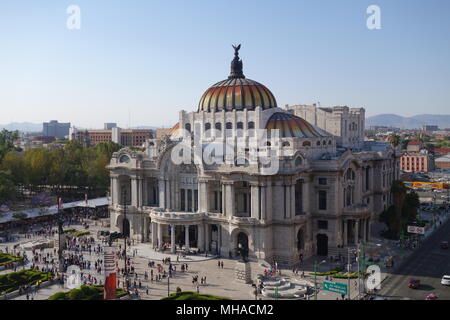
(56, 129)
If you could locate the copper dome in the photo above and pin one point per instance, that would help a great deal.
(236, 92)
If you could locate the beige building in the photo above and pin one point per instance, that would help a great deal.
(328, 188)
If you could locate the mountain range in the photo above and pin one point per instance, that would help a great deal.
(414, 122)
(22, 126)
(388, 120)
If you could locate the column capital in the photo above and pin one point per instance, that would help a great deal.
(227, 182)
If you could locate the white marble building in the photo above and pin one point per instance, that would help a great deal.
(327, 191)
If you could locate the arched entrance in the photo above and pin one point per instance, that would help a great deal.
(242, 244)
(300, 240)
(322, 244)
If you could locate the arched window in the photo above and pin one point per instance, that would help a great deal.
(218, 126)
(251, 125)
(329, 142)
(187, 126)
(286, 144)
(228, 127)
(318, 143)
(207, 129)
(298, 161)
(306, 144)
(240, 129)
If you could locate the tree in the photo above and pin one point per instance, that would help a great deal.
(394, 140)
(7, 186)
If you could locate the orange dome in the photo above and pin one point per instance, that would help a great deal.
(236, 92)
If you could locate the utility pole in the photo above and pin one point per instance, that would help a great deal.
(348, 271)
(168, 285)
(60, 232)
(125, 226)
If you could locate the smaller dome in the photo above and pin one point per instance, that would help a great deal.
(291, 126)
(174, 133)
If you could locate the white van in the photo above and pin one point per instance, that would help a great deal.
(445, 280)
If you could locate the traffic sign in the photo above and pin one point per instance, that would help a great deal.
(335, 287)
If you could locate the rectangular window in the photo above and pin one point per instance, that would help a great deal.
(322, 200)
(216, 200)
(183, 199)
(322, 224)
(195, 200)
(189, 200)
(323, 181)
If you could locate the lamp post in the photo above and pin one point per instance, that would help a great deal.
(125, 226)
(60, 231)
(168, 285)
(315, 277)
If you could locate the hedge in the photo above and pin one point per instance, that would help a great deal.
(326, 273)
(12, 281)
(6, 258)
(84, 293)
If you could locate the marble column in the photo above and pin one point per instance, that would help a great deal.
(207, 237)
(230, 202)
(254, 189)
(201, 237)
(356, 231)
(154, 234)
(203, 194)
(162, 191)
(134, 191)
(263, 202)
(224, 193)
(117, 194)
(186, 237)
(159, 242)
(172, 238)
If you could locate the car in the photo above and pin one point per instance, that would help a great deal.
(445, 280)
(414, 284)
(431, 296)
(444, 244)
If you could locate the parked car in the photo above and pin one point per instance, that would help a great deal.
(444, 244)
(414, 283)
(445, 280)
(431, 296)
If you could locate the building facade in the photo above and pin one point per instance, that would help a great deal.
(323, 194)
(416, 162)
(124, 137)
(56, 129)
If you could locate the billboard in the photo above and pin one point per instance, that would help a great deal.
(109, 262)
(426, 185)
(415, 229)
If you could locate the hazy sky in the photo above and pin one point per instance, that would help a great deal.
(140, 62)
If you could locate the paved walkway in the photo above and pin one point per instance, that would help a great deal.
(145, 250)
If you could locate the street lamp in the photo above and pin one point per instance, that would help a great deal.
(315, 277)
(168, 285)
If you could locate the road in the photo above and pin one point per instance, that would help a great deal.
(428, 264)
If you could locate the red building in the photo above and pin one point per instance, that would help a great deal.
(416, 162)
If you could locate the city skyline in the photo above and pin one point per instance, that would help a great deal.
(139, 65)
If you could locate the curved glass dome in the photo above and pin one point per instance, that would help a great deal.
(291, 126)
(236, 92)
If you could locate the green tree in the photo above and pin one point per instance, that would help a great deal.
(394, 140)
(7, 186)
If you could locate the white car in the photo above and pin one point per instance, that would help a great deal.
(445, 280)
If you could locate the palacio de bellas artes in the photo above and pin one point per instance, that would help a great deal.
(241, 173)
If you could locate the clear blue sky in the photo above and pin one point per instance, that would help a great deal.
(140, 62)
